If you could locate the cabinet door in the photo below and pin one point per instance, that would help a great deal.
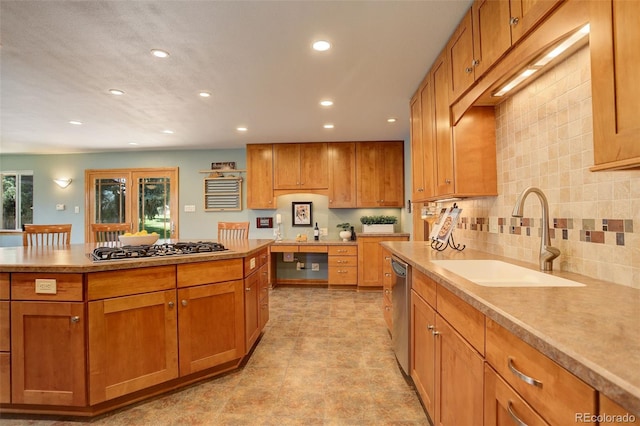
(260, 177)
(48, 364)
(417, 152)
(423, 351)
(443, 145)
(526, 14)
(251, 309)
(367, 175)
(392, 179)
(264, 295)
(342, 175)
(211, 330)
(491, 33)
(459, 379)
(133, 344)
(615, 58)
(369, 262)
(503, 406)
(428, 138)
(460, 58)
(314, 166)
(286, 166)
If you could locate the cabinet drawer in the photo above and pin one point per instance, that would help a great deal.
(284, 248)
(424, 286)
(467, 320)
(5, 327)
(343, 275)
(313, 249)
(125, 282)
(387, 291)
(387, 311)
(4, 286)
(502, 405)
(557, 395)
(254, 261)
(190, 274)
(68, 287)
(341, 261)
(343, 250)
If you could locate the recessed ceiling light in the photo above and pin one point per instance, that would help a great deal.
(241, 129)
(321, 45)
(133, 143)
(392, 120)
(326, 103)
(169, 132)
(204, 94)
(116, 92)
(159, 53)
(328, 126)
(76, 123)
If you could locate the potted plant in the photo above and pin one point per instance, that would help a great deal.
(345, 234)
(378, 224)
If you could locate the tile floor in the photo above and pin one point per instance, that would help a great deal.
(325, 358)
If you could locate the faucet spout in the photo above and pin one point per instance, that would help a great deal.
(547, 251)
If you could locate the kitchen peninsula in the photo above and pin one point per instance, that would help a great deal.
(550, 352)
(82, 337)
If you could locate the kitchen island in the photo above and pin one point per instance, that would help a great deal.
(82, 337)
(590, 332)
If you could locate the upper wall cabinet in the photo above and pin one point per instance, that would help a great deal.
(300, 166)
(615, 59)
(422, 141)
(380, 174)
(260, 177)
(485, 34)
(342, 175)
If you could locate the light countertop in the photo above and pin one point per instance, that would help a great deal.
(592, 331)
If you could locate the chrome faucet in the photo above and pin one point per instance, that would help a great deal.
(547, 252)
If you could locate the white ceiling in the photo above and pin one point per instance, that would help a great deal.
(60, 58)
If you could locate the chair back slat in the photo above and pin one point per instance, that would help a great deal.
(233, 230)
(108, 232)
(46, 235)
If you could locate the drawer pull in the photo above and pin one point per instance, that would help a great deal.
(75, 319)
(513, 415)
(520, 375)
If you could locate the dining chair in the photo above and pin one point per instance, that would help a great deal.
(233, 231)
(108, 232)
(46, 235)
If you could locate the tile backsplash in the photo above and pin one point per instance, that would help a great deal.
(544, 136)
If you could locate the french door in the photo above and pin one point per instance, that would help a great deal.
(147, 198)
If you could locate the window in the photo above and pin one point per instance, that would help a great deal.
(16, 199)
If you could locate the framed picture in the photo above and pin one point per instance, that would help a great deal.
(301, 213)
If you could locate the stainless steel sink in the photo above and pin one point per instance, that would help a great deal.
(495, 273)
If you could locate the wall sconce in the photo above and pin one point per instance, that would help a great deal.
(62, 182)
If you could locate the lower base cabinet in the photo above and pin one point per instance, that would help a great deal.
(423, 351)
(48, 353)
(133, 343)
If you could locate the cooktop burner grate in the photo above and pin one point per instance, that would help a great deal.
(155, 250)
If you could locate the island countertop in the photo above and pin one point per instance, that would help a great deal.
(592, 331)
(74, 258)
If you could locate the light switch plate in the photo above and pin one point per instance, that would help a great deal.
(46, 286)
(59, 206)
(189, 208)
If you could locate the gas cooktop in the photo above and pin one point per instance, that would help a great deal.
(155, 250)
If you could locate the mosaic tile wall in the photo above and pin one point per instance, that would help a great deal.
(544, 139)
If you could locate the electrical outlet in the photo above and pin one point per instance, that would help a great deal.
(59, 206)
(46, 286)
(315, 266)
(493, 225)
(76, 209)
(299, 266)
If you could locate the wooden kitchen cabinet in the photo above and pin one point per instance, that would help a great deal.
(443, 144)
(256, 277)
(48, 363)
(423, 351)
(5, 340)
(615, 59)
(460, 58)
(371, 260)
(342, 175)
(300, 166)
(264, 295)
(388, 281)
(553, 392)
(133, 343)
(612, 409)
(260, 177)
(380, 174)
(343, 265)
(422, 141)
(210, 325)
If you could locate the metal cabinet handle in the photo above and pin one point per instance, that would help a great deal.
(184, 302)
(468, 70)
(447, 181)
(520, 375)
(387, 308)
(420, 189)
(513, 415)
(171, 304)
(386, 291)
(386, 274)
(342, 272)
(513, 21)
(475, 62)
(248, 289)
(75, 319)
(341, 251)
(387, 258)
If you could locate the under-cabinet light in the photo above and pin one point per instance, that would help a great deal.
(557, 51)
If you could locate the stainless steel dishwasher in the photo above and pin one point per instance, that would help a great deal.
(401, 301)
